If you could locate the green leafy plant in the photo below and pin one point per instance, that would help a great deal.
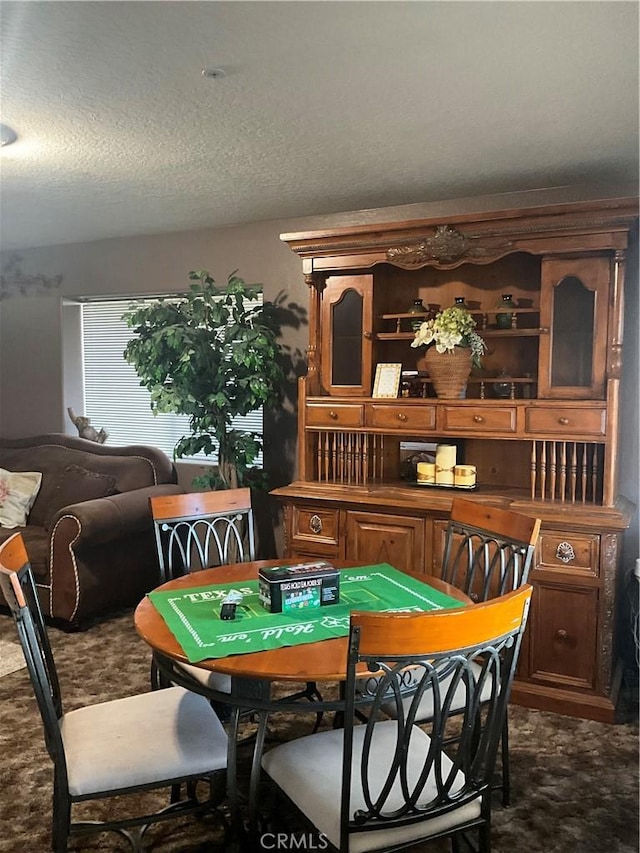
(452, 327)
(211, 355)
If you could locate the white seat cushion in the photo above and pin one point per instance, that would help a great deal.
(212, 680)
(425, 708)
(309, 770)
(152, 737)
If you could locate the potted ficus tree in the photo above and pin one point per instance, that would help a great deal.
(210, 354)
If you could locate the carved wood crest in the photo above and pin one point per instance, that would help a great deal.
(446, 245)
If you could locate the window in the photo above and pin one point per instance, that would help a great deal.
(114, 398)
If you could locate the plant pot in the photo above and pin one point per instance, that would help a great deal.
(448, 371)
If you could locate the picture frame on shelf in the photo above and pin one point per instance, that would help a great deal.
(387, 379)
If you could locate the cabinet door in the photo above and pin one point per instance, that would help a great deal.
(373, 538)
(347, 324)
(573, 307)
(563, 626)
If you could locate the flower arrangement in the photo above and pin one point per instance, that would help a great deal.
(452, 327)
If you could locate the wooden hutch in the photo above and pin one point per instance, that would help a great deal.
(546, 446)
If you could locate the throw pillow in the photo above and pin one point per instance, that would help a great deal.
(77, 485)
(18, 490)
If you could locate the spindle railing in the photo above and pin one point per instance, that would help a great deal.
(567, 471)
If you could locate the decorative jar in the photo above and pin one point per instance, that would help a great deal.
(421, 314)
(503, 320)
(502, 386)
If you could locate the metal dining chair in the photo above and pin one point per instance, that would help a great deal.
(197, 531)
(158, 739)
(202, 530)
(389, 784)
(488, 551)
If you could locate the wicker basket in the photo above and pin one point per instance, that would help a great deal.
(449, 371)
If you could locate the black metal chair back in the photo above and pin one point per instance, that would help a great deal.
(488, 551)
(203, 529)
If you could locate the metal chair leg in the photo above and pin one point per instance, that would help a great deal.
(61, 820)
(254, 781)
(506, 774)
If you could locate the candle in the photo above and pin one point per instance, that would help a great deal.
(464, 475)
(445, 463)
(426, 472)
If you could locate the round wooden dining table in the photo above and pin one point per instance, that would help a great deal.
(320, 661)
(253, 675)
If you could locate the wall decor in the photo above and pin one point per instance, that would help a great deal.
(14, 281)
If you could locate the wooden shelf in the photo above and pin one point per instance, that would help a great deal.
(502, 310)
(484, 333)
(512, 380)
(512, 333)
(394, 336)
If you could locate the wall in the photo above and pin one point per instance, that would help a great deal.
(30, 365)
(627, 587)
(629, 415)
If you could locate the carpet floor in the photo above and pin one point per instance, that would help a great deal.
(574, 782)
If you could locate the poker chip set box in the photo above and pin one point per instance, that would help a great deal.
(285, 589)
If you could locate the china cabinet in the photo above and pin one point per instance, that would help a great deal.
(539, 420)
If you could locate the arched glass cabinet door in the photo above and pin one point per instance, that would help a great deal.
(573, 310)
(347, 320)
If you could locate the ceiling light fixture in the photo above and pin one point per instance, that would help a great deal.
(7, 135)
(214, 73)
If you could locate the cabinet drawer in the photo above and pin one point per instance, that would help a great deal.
(501, 419)
(401, 417)
(314, 525)
(342, 415)
(569, 552)
(567, 421)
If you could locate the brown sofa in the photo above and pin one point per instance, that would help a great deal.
(89, 534)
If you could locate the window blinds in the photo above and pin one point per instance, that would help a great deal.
(114, 398)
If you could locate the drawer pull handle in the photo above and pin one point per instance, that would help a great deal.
(561, 634)
(315, 523)
(563, 421)
(333, 415)
(402, 416)
(478, 419)
(565, 552)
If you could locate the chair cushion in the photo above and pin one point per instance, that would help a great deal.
(309, 770)
(213, 680)
(18, 491)
(142, 740)
(425, 708)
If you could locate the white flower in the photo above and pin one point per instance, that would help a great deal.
(424, 335)
(448, 329)
(447, 341)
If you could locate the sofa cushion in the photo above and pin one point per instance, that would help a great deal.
(18, 490)
(72, 485)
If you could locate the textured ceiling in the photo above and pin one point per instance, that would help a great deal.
(325, 107)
